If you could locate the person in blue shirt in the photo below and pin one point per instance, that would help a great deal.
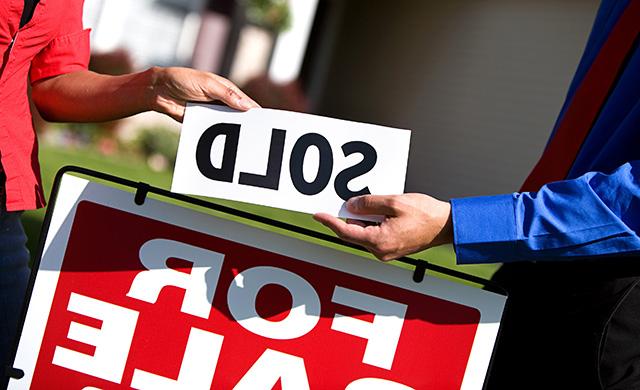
(569, 239)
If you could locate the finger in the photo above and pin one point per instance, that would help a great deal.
(373, 205)
(346, 231)
(230, 94)
(175, 111)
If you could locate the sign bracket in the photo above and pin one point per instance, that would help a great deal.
(419, 272)
(12, 372)
(142, 189)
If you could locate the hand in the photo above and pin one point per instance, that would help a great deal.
(413, 222)
(173, 87)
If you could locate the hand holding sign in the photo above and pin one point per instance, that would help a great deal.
(288, 160)
(412, 222)
(173, 87)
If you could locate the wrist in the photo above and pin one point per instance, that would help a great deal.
(445, 235)
(153, 85)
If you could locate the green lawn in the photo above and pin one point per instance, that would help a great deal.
(53, 158)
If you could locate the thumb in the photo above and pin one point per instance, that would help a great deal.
(373, 205)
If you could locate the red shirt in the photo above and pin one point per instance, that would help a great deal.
(52, 43)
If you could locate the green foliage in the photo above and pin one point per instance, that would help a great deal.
(271, 14)
(156, 142)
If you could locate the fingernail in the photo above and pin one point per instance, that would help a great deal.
(244, 104)
(247, 104)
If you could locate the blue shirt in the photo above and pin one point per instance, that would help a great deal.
(596, 210)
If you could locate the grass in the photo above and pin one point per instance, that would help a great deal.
(129, 167)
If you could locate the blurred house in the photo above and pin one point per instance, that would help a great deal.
(154, 32)
(259, 44)
(480, 82)
(240, 39)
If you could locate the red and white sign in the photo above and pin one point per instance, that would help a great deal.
(161, 297)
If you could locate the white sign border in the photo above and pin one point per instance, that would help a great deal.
(72, 190)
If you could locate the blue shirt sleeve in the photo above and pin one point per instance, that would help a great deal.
(593, 215)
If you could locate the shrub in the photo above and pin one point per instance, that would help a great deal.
(159, 147)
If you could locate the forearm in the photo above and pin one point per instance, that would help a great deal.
(91, 97)
(593, 215)
(86, 96)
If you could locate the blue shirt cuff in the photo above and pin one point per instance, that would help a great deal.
(484, 228)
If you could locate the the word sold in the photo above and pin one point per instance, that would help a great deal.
(288, 160)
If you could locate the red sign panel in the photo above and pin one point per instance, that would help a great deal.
(143, 303)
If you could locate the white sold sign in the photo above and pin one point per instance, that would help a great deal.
(288, 160)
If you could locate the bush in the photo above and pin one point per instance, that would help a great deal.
(159, 147)
(271, 14)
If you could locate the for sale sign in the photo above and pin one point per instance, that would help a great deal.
(161, 297)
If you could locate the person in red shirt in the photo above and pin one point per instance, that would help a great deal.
(43, 44)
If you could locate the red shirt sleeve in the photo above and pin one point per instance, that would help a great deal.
(64, 54)
(69, 50)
